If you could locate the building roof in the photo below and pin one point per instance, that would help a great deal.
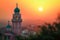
(8, 26)
(16, 10)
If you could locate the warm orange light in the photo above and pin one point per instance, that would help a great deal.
(31, 10)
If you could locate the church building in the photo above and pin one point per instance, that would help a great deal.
(16, 21)
(9, 32)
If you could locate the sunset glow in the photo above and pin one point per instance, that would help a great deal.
(35, 11)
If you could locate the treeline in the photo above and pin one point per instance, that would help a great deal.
(49, 32)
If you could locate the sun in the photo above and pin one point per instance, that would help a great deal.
(40, 9)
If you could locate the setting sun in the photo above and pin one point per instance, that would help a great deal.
(40, 9)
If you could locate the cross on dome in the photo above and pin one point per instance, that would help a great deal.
(17, 5)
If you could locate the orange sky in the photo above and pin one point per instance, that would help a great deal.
(29, 10)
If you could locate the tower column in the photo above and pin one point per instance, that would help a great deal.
(16, 20)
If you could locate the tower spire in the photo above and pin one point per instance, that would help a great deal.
(17, 5)
(16, 9)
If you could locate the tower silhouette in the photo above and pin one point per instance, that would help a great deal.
(16, 20)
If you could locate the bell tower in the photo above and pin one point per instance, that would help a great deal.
(16, 20)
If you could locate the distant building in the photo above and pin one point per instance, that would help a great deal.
(58, 18)
(6, 33)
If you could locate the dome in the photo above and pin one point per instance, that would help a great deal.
(17, 10)
(8, 26)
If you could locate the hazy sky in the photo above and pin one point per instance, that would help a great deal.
(32, 11)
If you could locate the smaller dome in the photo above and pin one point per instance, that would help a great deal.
(8, 26)
(17, 10)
